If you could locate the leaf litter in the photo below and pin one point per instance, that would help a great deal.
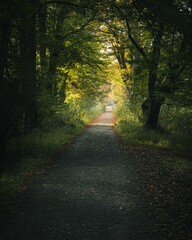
(164, 184)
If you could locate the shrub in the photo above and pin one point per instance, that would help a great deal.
(176, 119)
(129, 126)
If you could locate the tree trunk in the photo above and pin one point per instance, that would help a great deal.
(153, 115)
(28, 70)
(42, 14)
(55, 51)
(51, 84)
(4, 42)
(120, 55)
(151, 107)
(145, 109)
(154, 105)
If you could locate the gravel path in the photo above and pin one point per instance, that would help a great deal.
(90, 195)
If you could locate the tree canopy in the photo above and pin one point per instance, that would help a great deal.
(58, 53)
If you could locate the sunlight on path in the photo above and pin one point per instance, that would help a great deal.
(105, 119)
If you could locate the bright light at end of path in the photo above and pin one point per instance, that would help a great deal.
(101, 124)
(106, 119)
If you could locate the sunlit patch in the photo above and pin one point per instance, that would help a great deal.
(101, 124)
(109, 109)
(106, 119)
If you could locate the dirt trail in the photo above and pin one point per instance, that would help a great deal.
(90, 195)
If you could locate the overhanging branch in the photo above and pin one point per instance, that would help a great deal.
(134, 42)
(62, 2)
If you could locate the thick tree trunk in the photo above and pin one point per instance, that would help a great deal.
(145, 109)
(4, 42)
(154, 105)
(151, 107)
(153, 115)
(28, 71)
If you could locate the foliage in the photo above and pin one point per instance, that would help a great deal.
(161, 51)
(127, 112)
(59, 53)
(129, 126)
(61, 62)
(32, 154)
(177, 119)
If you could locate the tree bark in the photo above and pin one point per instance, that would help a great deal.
(153, 115)
(154, 104)
(28, 69)
(42, 14)
(4, 108)
(55, 52)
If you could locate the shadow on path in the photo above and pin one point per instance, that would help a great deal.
(90, 195)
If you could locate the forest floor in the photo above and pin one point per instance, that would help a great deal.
(103, 188)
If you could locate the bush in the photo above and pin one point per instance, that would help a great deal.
(129, 126)
(127, 112)
(176, 119)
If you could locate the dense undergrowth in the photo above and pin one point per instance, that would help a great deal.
(174, 132)
(27, 156)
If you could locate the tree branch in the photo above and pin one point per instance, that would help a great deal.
(134, 42)
(62, 2)
(81, 27)
(142, 13)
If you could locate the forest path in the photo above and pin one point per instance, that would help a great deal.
(90, 195)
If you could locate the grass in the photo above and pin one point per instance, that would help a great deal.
(177, 161)
(29, 156)
(134, 132)
(43, 143)
(128, 124)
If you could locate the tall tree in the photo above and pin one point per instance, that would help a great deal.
(28, 62)
(153, 22)
(5, 31)
(42, 23)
